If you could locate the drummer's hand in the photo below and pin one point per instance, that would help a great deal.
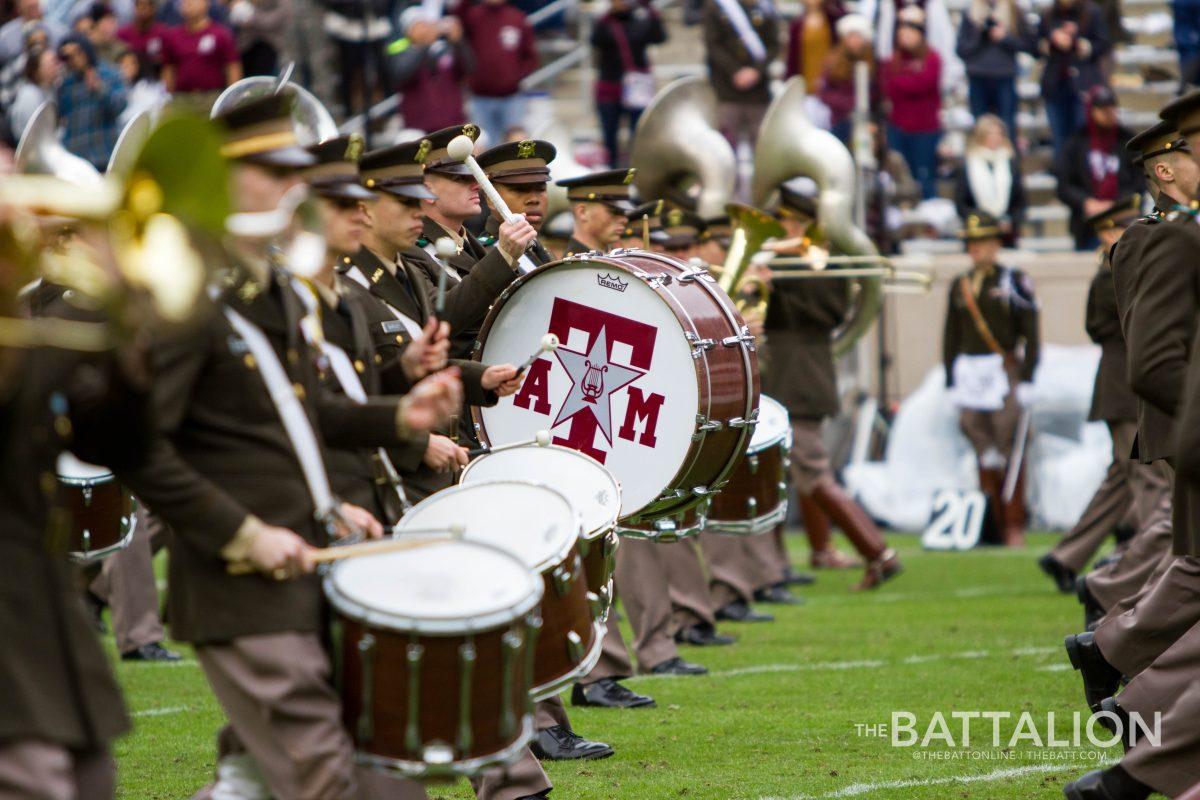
(516, 236)
(279, 553)
(432, 401)
(502, 379)
(428, 352)
(443, 455)
(364, 520)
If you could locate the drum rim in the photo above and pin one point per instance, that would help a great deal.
(387, 620)
(749, 527)
(551, 561)
(689, 532)
(553, 687)
(589, 535)
(461, 768)
(104, 473)
(703, 380)
(785, 436)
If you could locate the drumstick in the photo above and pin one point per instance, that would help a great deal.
(445, 249)
(542, 439)
(549, 344)
(323, 555)
(461, 149)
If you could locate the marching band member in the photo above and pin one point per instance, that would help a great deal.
(990, 351)
(800, 374)
(239, 473)
(600, 204)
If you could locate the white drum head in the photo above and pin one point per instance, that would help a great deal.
(585, 482)
(622, 387)
(773, 426)
(443, 587)
(72, 469)
(533, 522)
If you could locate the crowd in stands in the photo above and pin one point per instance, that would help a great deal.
(102, 62)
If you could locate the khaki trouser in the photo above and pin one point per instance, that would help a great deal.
(126, 583)
(1163, 612)
(810, 460)
(641, 581)
(1170, 768)
(33, 769)
(525, 778)
(614, 654)
(549, 713)
(277, 693)
(1108, 506)
(687, 586)
(992, 431)
(741, 565)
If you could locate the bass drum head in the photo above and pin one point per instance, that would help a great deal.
(71, 470)
(774, 425)
(590, 487)
(444, 587)
(622, 386)
(533, 522)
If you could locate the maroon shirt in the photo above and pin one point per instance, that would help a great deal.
(200, 57)
(146, 42)
(912, 88)
(502, 41)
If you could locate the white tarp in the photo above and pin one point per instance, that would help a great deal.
(1066, 458)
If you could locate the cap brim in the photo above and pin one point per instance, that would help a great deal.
(522, 179)
(283, 157)
(449, 168)
(411, 191)
(343, 191)
(620, 206)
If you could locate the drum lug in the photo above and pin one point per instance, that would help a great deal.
(564, 579)
(575, 647)
(693, 273)
(752, 463)
(743, 339)
(466, 660)
(366, 715)
(414, 654)
(705, 425)
(699, 346)
(752, 507)
(596, 605)
(510, 645)
(783, 492)
(748, 422)
(87, 495)
(534, 621)
(657, 281)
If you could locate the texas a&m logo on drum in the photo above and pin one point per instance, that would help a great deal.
(603, 354)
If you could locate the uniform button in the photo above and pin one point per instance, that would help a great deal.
(62, 426)
(359, 366)
(399, 339)
(299, 390)
(293, 356)
(378, 358)
(249, 361)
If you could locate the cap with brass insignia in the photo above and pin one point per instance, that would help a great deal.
(518, 162)
(613, 188)
(646, 217)
(1184, 113)
(681, 229)
(335, 175)
(260, 131)
(719, 228)
(1161, 137)
(1121, 214)
(799, 199)
(980, 225)
(398, 170)
(437, 160)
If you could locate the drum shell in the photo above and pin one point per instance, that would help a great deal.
(755, 498)
(500, 678)
(599, 563)
(671, 528)
(100, 514)
(568, 645)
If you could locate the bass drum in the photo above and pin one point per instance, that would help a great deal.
(755, 499)
(655, 376)
(100, 511)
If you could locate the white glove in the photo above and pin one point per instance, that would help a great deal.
(1025, 395)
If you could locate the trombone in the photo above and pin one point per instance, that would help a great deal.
(910, 276)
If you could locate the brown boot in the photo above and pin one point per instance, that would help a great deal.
(816, 527)
(860, 530)
(1015, 518)
(991, 483)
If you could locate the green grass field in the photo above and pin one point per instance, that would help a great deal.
(978, 631)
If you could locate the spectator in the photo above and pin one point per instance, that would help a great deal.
(430, 70)
(261, 27)
(199, 56)
(102, 33)
(837, 82)
(1187, 39)
(14, 32)
(811, 37)
(501, 39)
(90, 100)
(359, 29)
(1095, 168)
(1072, 40)
(13, 72)
(144, 34)
(741, 39)
(992, 33)
(939, 33)
(37, 86)
(146, 91)
(990, 178)
(620, 40)
(911, 83)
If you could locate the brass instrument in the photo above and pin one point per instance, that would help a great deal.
(898, 276)
(679, 152)
(789, 146)
(312, 121)
(751, 229)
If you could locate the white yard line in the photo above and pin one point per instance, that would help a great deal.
(160, 712)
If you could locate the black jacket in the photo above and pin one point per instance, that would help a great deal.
(964, 197)
(1071, 70)
(984, 58)
(642, 27)
(1075, 177)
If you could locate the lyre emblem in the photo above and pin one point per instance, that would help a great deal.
(593, 382)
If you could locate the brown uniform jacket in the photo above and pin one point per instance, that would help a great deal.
(1186, 500)
(801, 318)
(1009, 307)
(57, 682)
(726, 53)
(223, 454)
(1112, 399)
(575, 247)
(537, 253)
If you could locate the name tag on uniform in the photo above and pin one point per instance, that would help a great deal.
(237, 345)
(980, 382)
(401, 324)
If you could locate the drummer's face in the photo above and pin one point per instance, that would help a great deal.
(525, 198)
(396, 222)
(457, 197)
(606, 223)
(257, 188)
(342, 224)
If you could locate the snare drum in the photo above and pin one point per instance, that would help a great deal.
(433, 651)
(592, 490)
(672, 528)
(99, 508)
(656, 375)
(755, 499)
(540, 527)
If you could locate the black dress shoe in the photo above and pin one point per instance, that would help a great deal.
(150, 652)
(560, 743)
(737, 611)
(677, 666)
(1119, 726)
(777, 594)
(1100, 679)
(95, 611)
(702, 636)
(1113, 783)
(1092, 611)
(1063, 576)
(609, 693)
(793, 578)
